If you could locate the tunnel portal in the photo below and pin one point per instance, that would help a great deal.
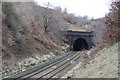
(80, 44)
(79, 40)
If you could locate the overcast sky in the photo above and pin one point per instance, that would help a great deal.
(91, 8)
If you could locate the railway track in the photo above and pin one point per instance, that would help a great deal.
(53, 69)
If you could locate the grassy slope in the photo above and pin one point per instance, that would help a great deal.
(105, 65)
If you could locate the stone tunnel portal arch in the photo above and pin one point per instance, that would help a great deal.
(80, 44)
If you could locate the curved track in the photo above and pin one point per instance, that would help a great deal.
(55, 69)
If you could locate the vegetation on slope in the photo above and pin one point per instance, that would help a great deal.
(105, 62)
(30, 30)
(105, 65)
(27, 64)
(112, 24)
(23, 34)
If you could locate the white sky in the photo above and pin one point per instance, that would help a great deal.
(91, 8)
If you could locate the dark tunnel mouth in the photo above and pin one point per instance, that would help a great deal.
(80, 44)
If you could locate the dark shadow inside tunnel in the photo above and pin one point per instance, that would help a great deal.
(80, 44)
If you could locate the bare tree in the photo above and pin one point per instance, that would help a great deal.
(48, 17)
